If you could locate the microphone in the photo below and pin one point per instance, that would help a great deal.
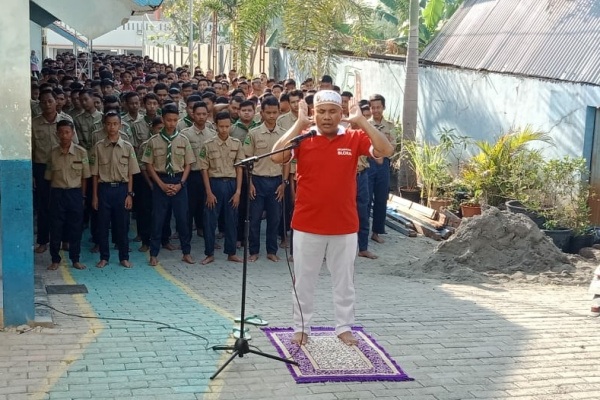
(300, 138)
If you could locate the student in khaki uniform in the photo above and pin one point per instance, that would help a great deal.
(286, 122)
(223, 183)
(141, 129)
(267, 185)
(239, 130)
(168, 157)
(197, 134)
(379, 170)
(133, 116)
(113, 165)
(242, 126)
(143, 198)
(188, 120)
(76, 103)
(87, 122)
(67, 170)
(43, 139)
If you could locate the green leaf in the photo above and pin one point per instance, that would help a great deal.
(433, 13)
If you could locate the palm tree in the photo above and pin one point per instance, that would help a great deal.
(433, 14)
(255, 16)
(315, 29)
(411, 94)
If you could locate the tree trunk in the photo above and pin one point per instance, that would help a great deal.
(411, 94)
(213, 43)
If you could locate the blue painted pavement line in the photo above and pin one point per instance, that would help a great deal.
(136, 359)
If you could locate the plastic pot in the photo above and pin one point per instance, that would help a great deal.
(515, 206)
(560, 237)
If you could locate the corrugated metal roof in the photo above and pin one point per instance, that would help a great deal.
(555, 39)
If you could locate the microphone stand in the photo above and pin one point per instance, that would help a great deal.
(241, 347)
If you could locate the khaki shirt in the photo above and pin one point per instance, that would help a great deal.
(140, 154)
(65, 171)
(140, 131)
(125, 128)
(156, 154)
(86, 124)
(388, 128)
(129, 120)
(35, 108)
(101, 134)
(260, 141)
(44, 138)
(185, 122)
(113, 163)
(197, 139)
(239, 131)
(287, 120)
(218, 156)
(363, 163)
(74, 113)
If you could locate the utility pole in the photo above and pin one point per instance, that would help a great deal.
(191, 39)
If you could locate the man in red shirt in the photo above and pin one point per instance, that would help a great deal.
(325, 220)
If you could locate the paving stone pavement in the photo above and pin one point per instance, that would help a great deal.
(458, 341)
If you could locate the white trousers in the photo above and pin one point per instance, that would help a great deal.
(340, 254)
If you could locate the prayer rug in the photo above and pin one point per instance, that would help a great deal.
(326, 359)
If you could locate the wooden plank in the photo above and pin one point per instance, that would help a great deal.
(452, 219)
(422, 227)
(400, 219)
(412, 215)
(400, 228)
(442, 219)
(425, 211)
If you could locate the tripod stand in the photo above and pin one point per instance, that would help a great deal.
(241, 346)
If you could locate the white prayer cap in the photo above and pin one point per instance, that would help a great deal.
(327, 97)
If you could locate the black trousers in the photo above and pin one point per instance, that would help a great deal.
(196, 199)
(112, 212)
(66, 215)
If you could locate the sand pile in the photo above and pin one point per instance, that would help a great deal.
(497, 243)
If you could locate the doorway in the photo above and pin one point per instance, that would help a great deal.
(593, 129)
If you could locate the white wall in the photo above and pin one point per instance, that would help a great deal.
(477, 104)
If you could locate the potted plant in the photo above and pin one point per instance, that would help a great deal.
(472, 206)
(527, 187)
(408, 187)
(555, 230)
(567, 189)
(431, 164)
(490, 170)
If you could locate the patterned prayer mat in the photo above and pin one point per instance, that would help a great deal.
(326, 359)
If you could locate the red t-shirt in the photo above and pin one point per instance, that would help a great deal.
(326, 173)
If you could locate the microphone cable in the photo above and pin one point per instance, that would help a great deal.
(287, 260)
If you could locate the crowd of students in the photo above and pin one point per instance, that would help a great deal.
(162, 142)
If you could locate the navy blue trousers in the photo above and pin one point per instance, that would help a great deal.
(66, 215)
(112, 214)
(265, 200)
(223, 189)
(362, 205)
(379, 190)
(196, 199)
(160, 208)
